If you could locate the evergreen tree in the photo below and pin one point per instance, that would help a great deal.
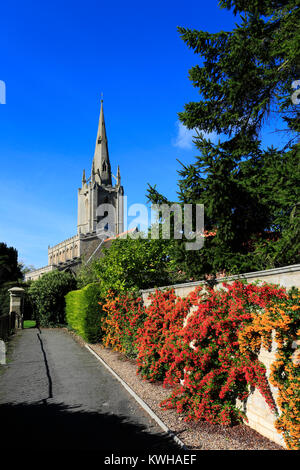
(10, 275)
(9, 267)
(249, 193)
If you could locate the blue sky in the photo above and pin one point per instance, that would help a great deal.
(56, 58)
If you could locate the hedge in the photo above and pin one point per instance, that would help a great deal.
(83, 312)
(47, 295)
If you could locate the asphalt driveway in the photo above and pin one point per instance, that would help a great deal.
(54, 394)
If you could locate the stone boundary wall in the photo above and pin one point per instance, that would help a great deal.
(255, 407)
(287, 276)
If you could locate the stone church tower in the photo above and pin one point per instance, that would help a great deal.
(98, 189)
(95, 193)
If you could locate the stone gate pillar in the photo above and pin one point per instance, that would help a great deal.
(17, 305)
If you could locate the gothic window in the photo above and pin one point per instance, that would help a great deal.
(104, 166)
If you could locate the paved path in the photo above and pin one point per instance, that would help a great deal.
(55, 394)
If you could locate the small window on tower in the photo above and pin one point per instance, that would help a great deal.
(104, 166)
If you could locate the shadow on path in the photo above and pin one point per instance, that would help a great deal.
(59, 427)
(46, 366)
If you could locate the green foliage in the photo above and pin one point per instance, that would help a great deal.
(84, 312)
(249, 193)
(246, 72)
(28, 305)
(86, 274)
(26, 269)
(133, 263)
(48, 297)
(128, 265)
(5, 297)
(29, 324)
(74, 315)
(284, 250)
(247, 206)
(9, 267)
(11, 275)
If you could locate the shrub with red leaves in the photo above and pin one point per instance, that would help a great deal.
(199, 352)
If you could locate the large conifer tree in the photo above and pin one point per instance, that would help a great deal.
(249, 192)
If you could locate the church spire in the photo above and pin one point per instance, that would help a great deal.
(101, 163)
(118, 177)
(83, 178)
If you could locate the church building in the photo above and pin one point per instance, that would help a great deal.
(95, 191)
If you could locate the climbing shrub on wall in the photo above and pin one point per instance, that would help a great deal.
(157, 338)
(124, 314)
(282, 320)
(202, 358)
(206, 348)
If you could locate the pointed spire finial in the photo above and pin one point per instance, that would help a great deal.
(83, 177)
(101, 158)
(93, 173)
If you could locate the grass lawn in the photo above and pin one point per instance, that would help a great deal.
(29, 323)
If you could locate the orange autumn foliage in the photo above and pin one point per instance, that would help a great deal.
(280, 322)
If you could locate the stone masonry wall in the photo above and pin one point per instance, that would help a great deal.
(287, 276)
